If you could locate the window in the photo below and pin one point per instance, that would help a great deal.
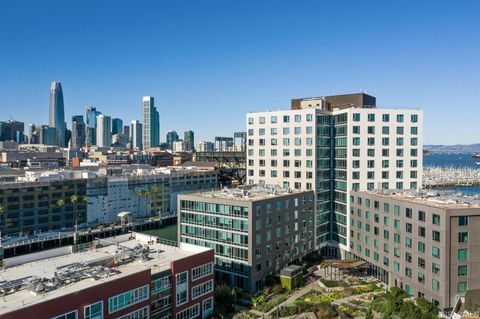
(202, 289)
(462, 287)
(463, 237)
(181, 281)
(386, 117)
(435, 252)
(435, 284)
(126, 299)
(202, 271)
(400, 118)
(273, 119)
(298, 118)
(161, 284)
(463, 254)
(462, 220)
(69, 315)
(436, 219)
(414, 118)
(94, 311)
(356, 117)
(462, 270)
(421, 215)
(286, 119)
(142, 313)
(435, 268)
(192, 312)
(207, 306)
(436, 235)
(371, 117)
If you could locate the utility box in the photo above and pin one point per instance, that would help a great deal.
(291, 277)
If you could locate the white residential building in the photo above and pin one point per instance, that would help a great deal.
(334, 145)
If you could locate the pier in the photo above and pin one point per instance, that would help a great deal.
(450, 177)
(22, 245)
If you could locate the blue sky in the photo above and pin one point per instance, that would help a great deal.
(209, 62)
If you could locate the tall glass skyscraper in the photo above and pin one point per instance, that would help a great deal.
(56, 112)
(91, 125)
(151, 123)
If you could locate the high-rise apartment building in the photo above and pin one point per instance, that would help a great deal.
(91, 125)
(137, 135)
(172, 137)
(117, 126)
(334, 145)
(151, 123)
(56, 112)
(189, 137)
(78, 131)
(104, 131)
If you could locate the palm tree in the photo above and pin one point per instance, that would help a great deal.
(74, 201)
(2, 210)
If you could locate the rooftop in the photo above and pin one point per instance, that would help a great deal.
(53, 273)
(248, 193)
(438, 199)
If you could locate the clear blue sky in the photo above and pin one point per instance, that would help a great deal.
(209, 62)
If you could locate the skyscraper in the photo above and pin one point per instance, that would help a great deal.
(151, 123)
(117, 126)
(172, 137)
(56, 112)
(136, 135)
(91, 125)
(78, 131)
(189, 137)
(104, 131)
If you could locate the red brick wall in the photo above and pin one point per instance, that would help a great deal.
(185, 264)
(80, 299)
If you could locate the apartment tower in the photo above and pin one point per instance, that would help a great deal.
(333, 145)
(151, 123)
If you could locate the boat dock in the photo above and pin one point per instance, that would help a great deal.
(450, 177)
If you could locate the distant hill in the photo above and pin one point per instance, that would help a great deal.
(458, 148)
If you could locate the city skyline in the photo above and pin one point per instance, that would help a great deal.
(398, 52)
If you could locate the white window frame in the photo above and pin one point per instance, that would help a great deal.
(194, 278)
(64, 316)
(138, 300)
(201, 286)
(132, 314)
(193, 315)
(181, 287)
(85, 310)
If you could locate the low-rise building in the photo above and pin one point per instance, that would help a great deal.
(427, 244)
(255, 231)
(40, 201)
(130, 276)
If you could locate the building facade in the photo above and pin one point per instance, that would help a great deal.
(203, 146)
(78, 132)
(189, 137)
(91, 125)
(334, 148)
(254, 231)
(56, 118)
(172, 137)
(151, 123)
(137, 142)
(428, 245)
(109, 281)
(41, 201)
(104, 131)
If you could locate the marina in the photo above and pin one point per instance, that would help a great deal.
(450, 177)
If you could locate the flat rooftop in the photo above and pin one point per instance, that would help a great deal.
(248, 193)
(159, 258)
(438, 199)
